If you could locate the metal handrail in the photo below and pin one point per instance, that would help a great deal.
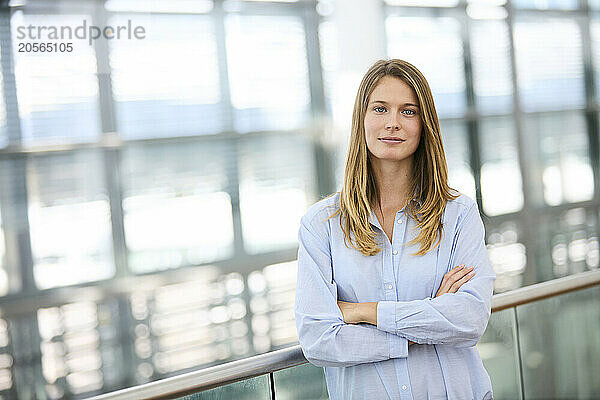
(250, 367)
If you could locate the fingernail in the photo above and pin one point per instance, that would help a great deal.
(471, 273)
(471, 267)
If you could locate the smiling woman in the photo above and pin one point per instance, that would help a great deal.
(378, 302)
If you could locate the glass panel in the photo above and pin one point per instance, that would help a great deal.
(7, 361)
(490, 49)
(3, 127)
(595, 37)
(58, 95)
(69, 216)
(501, 186)
(567, 244)
(79, 348)
(549, 63)
(280, 281)
(329, 62)
(276, 182)
(546, 4)
(558, 144)
(498, 352)
(301, 382)
(4, 286)
(594, 4)
(250, 389)
(456, 147)
(176, 209)
(168, 83)
(257, 77)
(200, 322)
(508, 255)
(339, 155)
(560, 346)
(428, 43)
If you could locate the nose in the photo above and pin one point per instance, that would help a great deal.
(392, 125)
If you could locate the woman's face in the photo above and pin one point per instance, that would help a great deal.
(392, 120)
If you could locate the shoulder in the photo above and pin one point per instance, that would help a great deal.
(458, 208)
(318, 213)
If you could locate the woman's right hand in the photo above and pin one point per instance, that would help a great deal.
(454, 279)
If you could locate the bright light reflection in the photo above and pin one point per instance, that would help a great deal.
(270, 216)
(71, 243)
(572, 181)
(187, 230)
(501, 187)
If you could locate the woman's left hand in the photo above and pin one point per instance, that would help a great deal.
(350, 312)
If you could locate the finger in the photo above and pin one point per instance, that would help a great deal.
(454, 283)
(454, 278)
(462, 273)
(448, 276)
(456, 270)
(463, 280)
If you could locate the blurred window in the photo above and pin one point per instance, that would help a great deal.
(69, 219)
(492, 77)
(549, 63)
(428, 43)
(176, 208)
(167, 84)
(558, 143)
(501, 186)
(456, 147)
(58, 95)
(268, 72)
(277, 178)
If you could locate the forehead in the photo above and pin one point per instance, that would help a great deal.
(393, 90)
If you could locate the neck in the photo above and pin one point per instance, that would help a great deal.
(393, 181)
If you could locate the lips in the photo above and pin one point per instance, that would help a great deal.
(391, 139)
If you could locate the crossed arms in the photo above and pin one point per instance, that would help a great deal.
(457, 319)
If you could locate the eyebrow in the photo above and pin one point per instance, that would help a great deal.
(385, 102)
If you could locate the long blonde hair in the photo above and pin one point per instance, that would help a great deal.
(429, 181)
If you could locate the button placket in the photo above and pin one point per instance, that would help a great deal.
(398, 239)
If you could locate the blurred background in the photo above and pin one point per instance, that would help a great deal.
(151, 190)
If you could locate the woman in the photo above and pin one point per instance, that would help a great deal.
(378, 303)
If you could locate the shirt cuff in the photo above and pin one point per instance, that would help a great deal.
(386, 316)
(398, 346)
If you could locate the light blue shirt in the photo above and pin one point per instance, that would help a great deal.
(363, 361)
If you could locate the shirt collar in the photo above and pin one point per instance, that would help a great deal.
(373, 218)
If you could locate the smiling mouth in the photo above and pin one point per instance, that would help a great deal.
(391, 140)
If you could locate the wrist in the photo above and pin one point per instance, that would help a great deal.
(367, 312)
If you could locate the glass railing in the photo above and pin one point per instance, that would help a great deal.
(542, 342)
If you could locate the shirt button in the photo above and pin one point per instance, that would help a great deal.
(389, 286)
(395, 252)
(399, 221)
(403, 387)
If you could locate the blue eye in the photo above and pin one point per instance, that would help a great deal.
(413, 112)
(379, 109)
